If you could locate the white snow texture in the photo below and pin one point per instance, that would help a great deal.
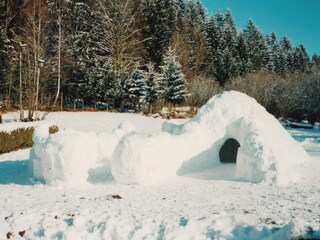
(69, 155)
(267, 153)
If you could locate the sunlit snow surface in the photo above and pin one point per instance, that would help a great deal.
(193, 207)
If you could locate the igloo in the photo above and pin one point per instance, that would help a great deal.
(263, 150)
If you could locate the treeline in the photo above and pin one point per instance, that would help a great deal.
(144, 51)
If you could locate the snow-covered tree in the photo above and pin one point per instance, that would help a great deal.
(257, 46)
(194, 35)
(315, 62)
(136, 86)
(221, 48)
(151, 87)
(301, 59)
(195, 14)
(176, 85)
(214, 44)
(242, 54)
(230, 52)
(88, 41)
(272, 44)
(159, 19)
(119, 21)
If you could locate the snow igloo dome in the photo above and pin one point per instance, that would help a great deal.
(232, 128)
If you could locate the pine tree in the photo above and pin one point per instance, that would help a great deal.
(271, 39)
(315, 62)
(230, 31)
(242, 54)
(176, 86)
(136, 87)
(195, 14)
(273, 48)
(181, 14)
(281, 62)
(159, 20)
(221, 45)
(301, 59)
(214, 44)
(257, 47)
(87, 39)
(287, 49)
(286, 44)
(151, 87)
(229, 51)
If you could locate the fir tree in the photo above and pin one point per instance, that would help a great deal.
(301, 59)
(160, 19)
(272, 51)
(230, 32)
(271, 39)
(281, 62)
(176, 86)
(315, 62)
(242, 54)
(286, 44)
(214, 44)
(257, 47)
(136, 86)
(195, 15)
(151, 87)
(230, 53)
(88, 44)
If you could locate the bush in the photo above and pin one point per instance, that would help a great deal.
(296, 96)
(19, 139)
(201, 90)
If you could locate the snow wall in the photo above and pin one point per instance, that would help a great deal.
(70, 156)
(267, 152)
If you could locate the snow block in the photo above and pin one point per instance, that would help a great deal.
(267, 152)
(69, 155)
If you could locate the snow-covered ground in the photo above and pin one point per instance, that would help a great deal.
(197, 206)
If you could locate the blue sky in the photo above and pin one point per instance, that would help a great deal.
(297, 19)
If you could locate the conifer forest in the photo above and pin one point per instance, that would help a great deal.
(145, 54)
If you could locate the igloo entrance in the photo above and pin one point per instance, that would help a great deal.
(229, 151)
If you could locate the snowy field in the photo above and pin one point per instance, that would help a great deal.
(200, 205)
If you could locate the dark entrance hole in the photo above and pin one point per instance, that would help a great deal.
(229, 151)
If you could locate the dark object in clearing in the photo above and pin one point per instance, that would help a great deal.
(229, 151)
(9, 235)
(22, 233)
(116, 197)
(301, 125)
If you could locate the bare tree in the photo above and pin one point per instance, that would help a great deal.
(119, 19)
(31, 38)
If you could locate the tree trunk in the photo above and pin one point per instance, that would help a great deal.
(61, 102)
(20, 89)
(37, 93)
(59, 63)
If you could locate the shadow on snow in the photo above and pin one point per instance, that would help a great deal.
(14, 172)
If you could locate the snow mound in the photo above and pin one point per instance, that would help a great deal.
(267, 152)
(69, 156)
